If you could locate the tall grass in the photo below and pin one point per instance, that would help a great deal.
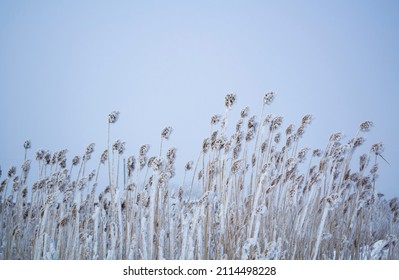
(262, 196)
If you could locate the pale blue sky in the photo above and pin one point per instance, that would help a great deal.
(64, 65)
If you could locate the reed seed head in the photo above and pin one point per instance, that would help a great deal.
(317, 153)
(215, 119)
(144, 149)
(253, 160)
(289, 129)
(200, 174)
(91, 175)
(205, 145)
(171, 154)
(252, 123)
(104, 156)
(374, 169)
(229, 100)
(338, 136)
(239, 125)
(277, 138)
(131, 162)
(142, 161)
(307, 119)
(27, 144)
(236, 151)
(377, 148)
(364, 159)
(47, 158)
(366, 125)
(250, 134)
(244, 112)
(276, 123)
(358, 141)
(119, 146)
(26, 166)
(113, 117)
(157, 163)
(40, 154)
(189, 165)
(268, 98)
(12, 171)
(236, 167)
(75, 160)
(90, 149)
(166, 132)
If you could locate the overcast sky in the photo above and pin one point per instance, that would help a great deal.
(64, 65)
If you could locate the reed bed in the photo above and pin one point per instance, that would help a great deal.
(262, 195)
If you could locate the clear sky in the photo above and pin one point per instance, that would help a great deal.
(64, 65)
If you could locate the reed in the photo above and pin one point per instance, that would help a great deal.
(263, 195)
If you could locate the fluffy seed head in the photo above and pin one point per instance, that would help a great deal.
(374, 169)
(26, 166)
(236, 167)
(302, 154)
(215, 119)
(104, 156)
(150, 161)
(119, 146)
(307, 119)
(253, 160)
(236, 151)
(205, 145)
(171, 154)
(157, 164)
(47, 158)
(239, 125)
(90, 149)
(275, 123)
(40, 154)
(252, 123)
(113, 117)
(364, 159)
(12, 171)
(289, 129)
(3, 185)
(27, 144)
(244, 112)
(219, 143)
(358, 141)
(142, 161)
(229, 100)
(75, 160)
(263, 147)
(250, 134)
(144, 149)
(317, 152)
(131, 163)
(377, 148)
(268, 98)
(267, 120)
(336, 136)
(228, 145)
(277, 138)
(366, 125)
(189, 165)
(166, 132)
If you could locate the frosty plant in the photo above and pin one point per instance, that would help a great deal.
(254, 192)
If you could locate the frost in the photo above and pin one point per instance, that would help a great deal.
(379, 250)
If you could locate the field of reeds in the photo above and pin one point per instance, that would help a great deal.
(254, 192)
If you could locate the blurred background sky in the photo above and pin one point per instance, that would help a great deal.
(64, 65)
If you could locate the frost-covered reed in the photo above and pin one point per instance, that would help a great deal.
(263, 195)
